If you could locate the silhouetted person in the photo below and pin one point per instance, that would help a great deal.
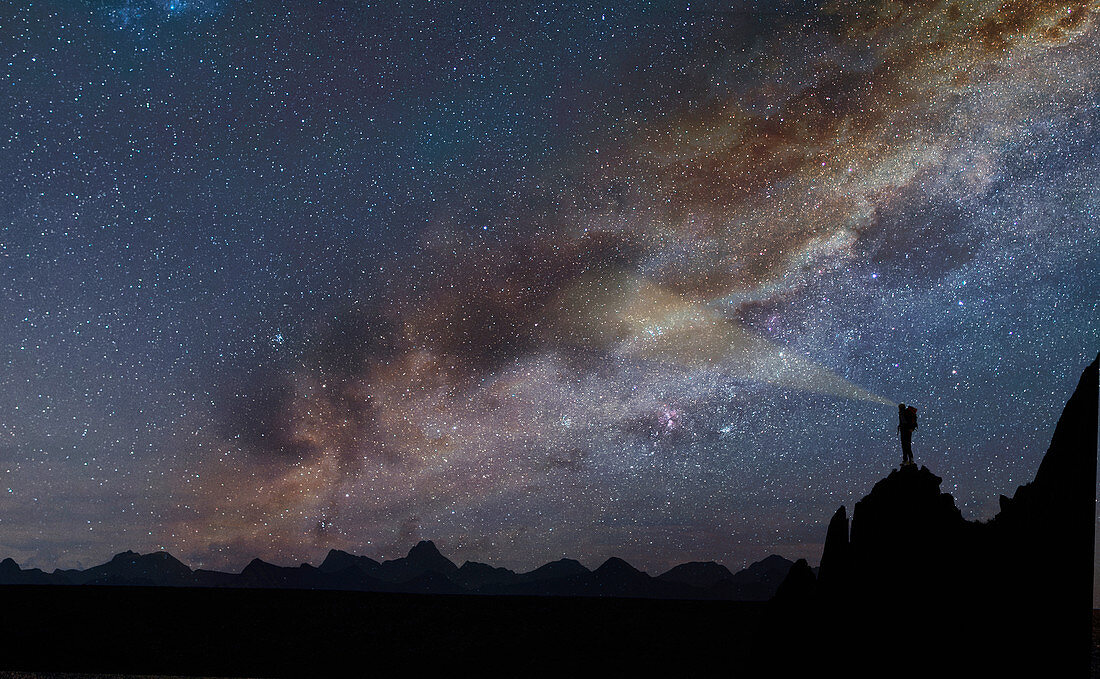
(907, 422)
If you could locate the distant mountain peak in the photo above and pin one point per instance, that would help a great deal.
(616, 565)
(422, 558)
(775, 560)
(338, 560)
(561, 568)
(697, 574)
(426, 556)
(424, 549)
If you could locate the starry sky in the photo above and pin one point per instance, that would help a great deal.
(530, 280)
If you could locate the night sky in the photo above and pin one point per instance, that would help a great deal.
(538, 280)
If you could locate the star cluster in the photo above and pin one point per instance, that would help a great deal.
(641, 280)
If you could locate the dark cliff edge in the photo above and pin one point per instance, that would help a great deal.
(913, 588)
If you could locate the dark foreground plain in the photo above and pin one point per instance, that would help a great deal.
(243, 632)
(279, 633)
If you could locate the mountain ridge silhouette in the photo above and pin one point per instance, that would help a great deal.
(423, 570)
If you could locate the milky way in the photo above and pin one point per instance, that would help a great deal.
(535, 282)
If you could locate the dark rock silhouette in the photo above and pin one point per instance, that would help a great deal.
(1011, 596)
(906, 531)
(800, 584)
(834, 569)
(1045, 534)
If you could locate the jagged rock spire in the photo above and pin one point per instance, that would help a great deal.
(834, 557)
